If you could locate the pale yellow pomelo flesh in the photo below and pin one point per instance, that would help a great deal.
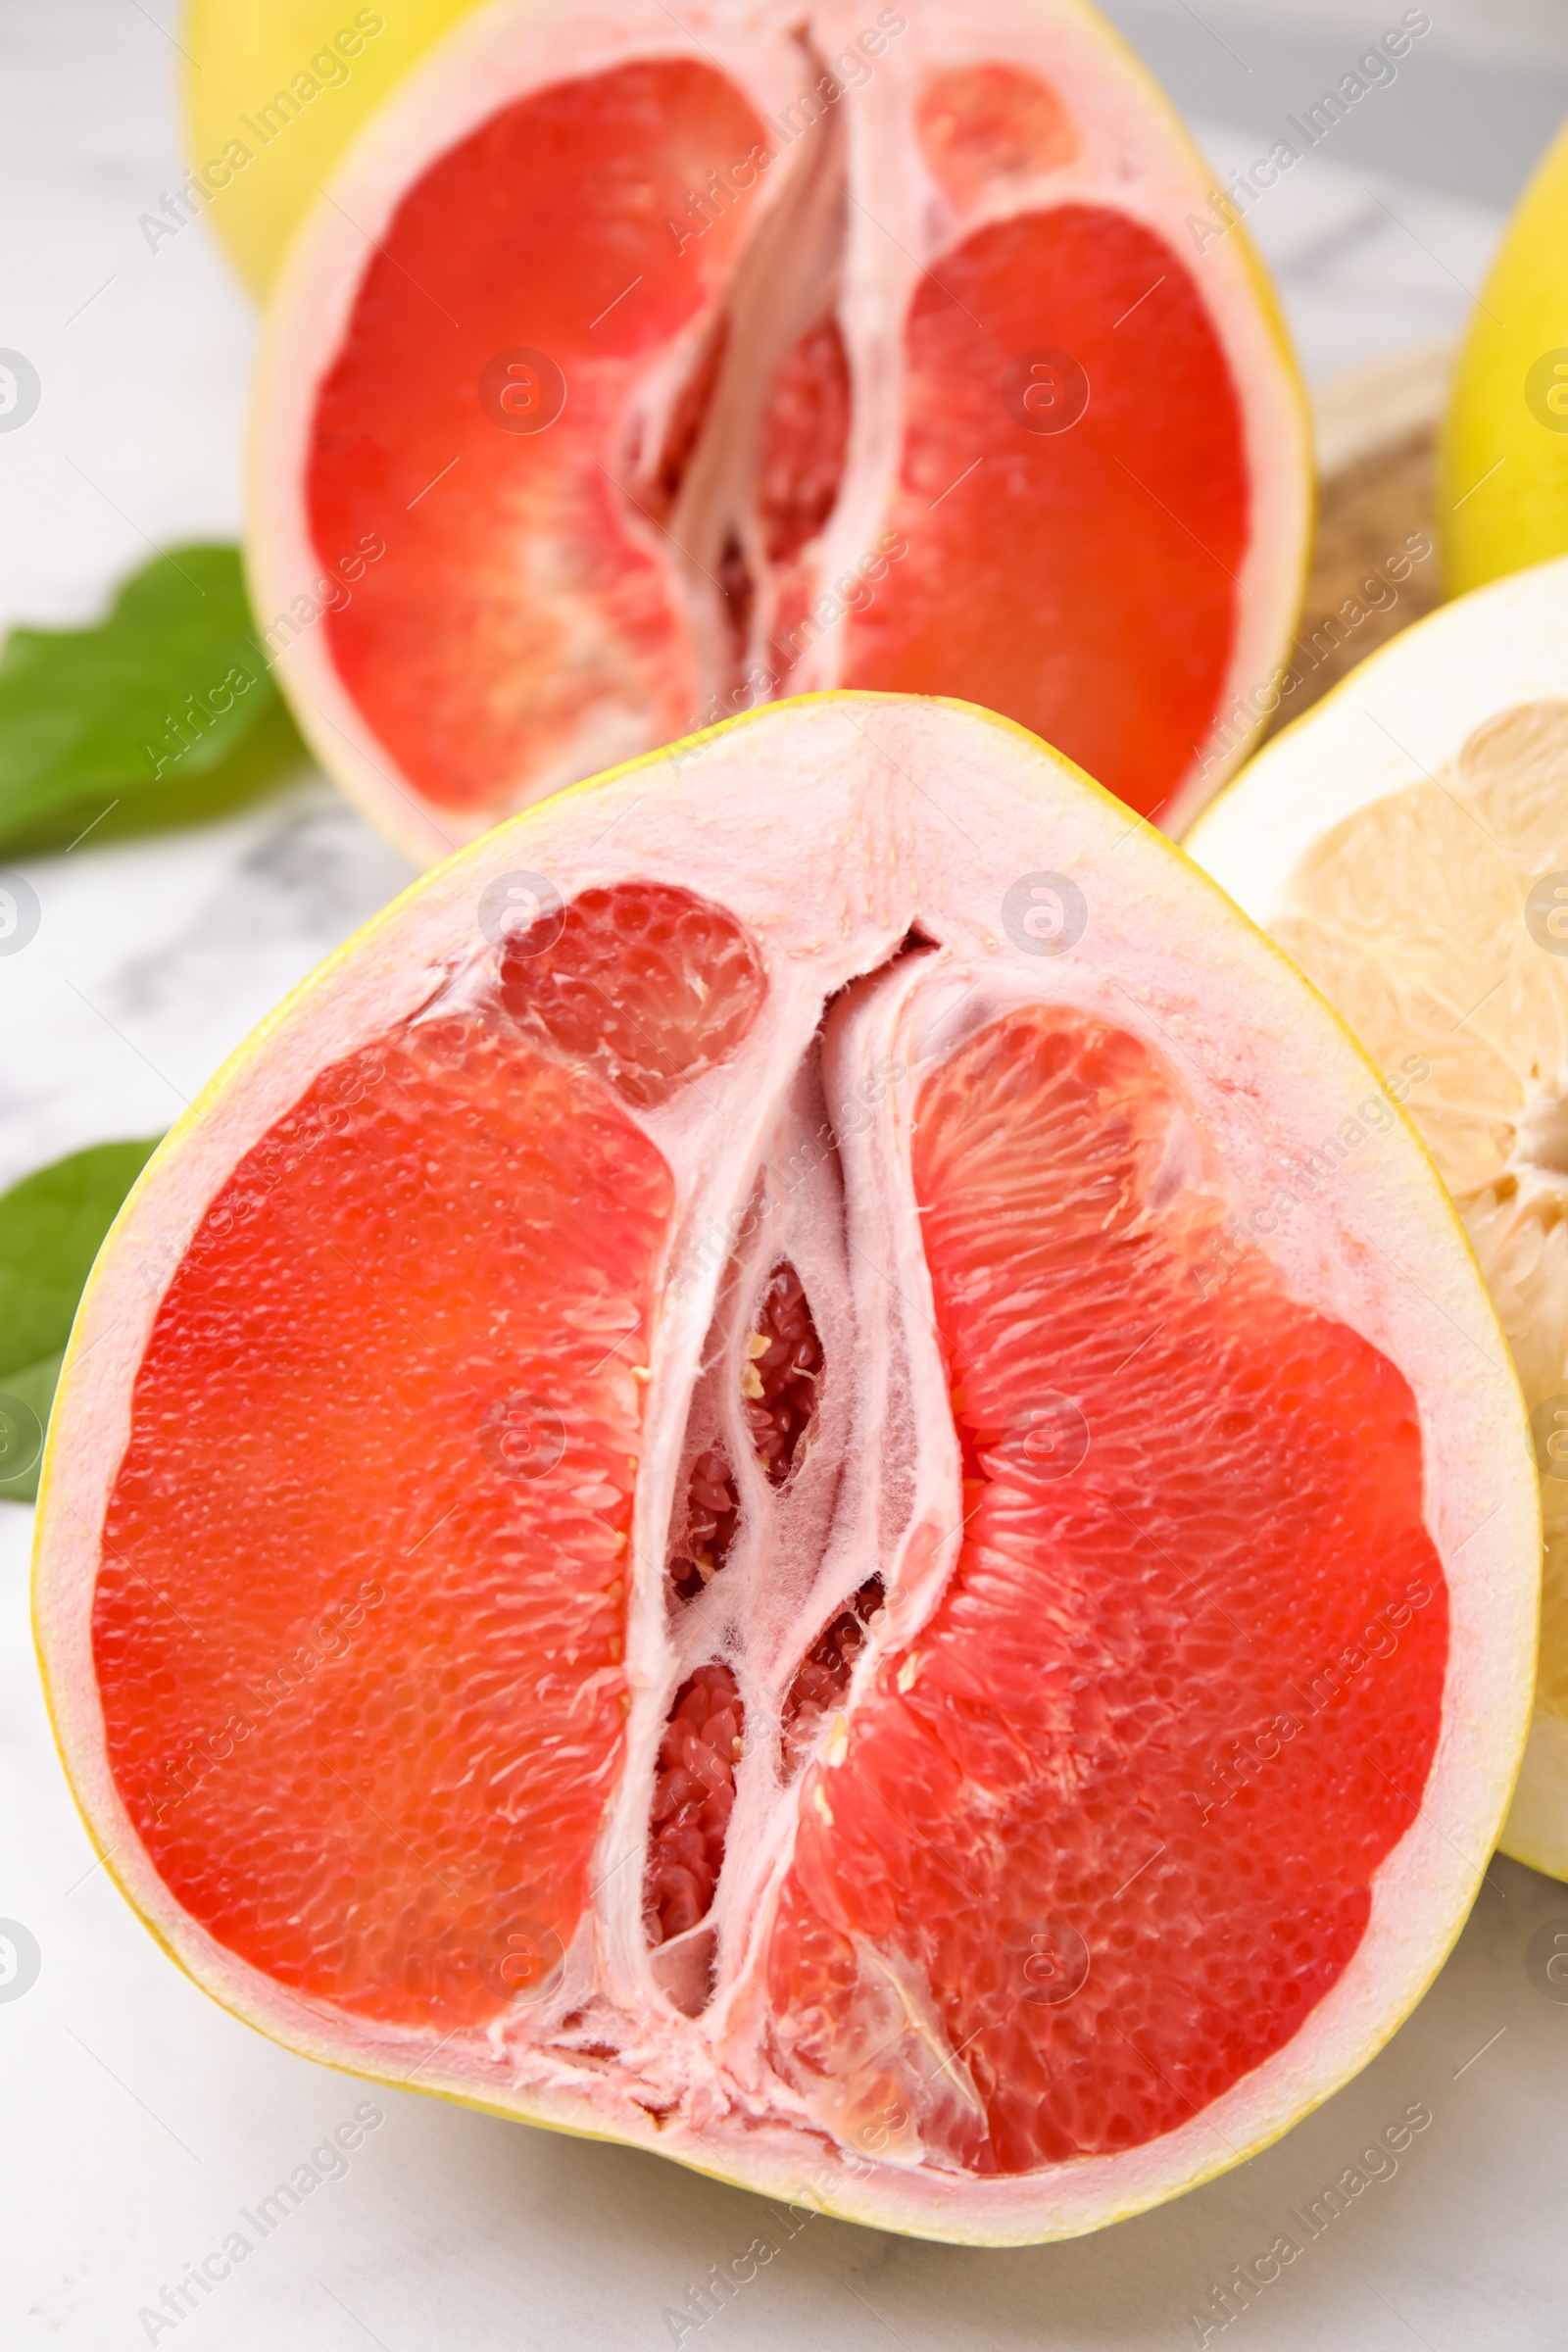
(275, 92)
(1407, 843)
(719, 1494)
(1502, 474)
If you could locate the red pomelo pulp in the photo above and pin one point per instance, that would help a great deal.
(805, 1520)
(633, 373)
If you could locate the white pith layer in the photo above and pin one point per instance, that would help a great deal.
(895, 227)
(802, 822)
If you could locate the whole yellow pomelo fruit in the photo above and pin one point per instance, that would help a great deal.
(1503, 478)
(274, 94)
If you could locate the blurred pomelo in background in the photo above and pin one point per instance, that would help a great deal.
(291, 81)
(1502, 485)
(661, 377)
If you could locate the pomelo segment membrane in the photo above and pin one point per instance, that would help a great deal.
(703, 1742)
(1120, 651)
(684, 1512)
(468, 644)
(648, 983)
(659, 377)
(1181, 1505)
(361, 1618)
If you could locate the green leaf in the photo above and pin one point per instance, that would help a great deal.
(25, 1404)
(118, 728)
(51, 1227)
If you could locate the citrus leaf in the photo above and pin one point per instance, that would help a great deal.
(25, 1401)
(51, 1226)
(163, 713)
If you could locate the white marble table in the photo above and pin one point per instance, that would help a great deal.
(138, 2118)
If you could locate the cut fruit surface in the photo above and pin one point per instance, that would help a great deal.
(681, 1507)
(1407, 844)
(518, 1336)
(629, 380)
(1038, 1152)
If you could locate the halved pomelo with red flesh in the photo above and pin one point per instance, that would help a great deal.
(676, 1509)
(629, 377)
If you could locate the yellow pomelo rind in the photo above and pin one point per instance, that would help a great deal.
(275, 81)
(1502, 469)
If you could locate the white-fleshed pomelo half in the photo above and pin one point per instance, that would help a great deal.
(737, 1488)
(636, 371)
(1407, 843)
